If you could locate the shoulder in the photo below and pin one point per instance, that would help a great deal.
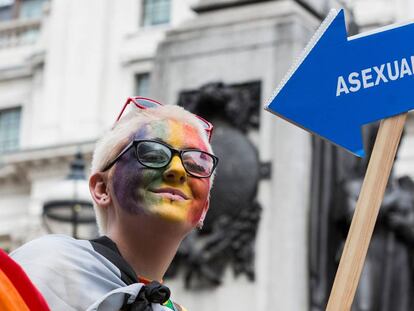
(49, 247)
(47, 240)
(60, 253)
(53, 258)
(63, 268)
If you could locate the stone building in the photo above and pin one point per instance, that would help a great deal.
(66, 67)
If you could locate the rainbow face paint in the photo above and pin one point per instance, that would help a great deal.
(169, 193)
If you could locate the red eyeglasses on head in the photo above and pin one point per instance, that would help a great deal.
(147, 103)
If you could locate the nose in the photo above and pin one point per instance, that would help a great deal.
(175, 171)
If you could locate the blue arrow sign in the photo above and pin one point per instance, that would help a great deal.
(340, 84)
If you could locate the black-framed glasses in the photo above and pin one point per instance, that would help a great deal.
(156, 154)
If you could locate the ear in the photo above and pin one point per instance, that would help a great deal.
(204, 212)
(99, 190)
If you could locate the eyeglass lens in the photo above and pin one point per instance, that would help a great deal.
(153, 154)
(147, 103)
(198, 163)
(156, 155)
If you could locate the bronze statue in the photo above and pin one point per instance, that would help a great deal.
(387, 278)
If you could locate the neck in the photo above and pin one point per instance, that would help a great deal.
(148, 245)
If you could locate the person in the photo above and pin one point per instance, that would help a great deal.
(150, 181)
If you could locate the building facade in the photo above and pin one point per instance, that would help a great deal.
(67, 66)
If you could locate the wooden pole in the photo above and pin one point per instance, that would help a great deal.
(366, 213)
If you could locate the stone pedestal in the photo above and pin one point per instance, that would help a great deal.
(255, 42)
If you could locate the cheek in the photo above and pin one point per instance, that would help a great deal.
(200, 189)
(129, 177)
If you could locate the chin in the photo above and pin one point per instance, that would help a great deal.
(174, 222)
(173, 213)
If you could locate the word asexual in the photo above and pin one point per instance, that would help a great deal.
(371, 77)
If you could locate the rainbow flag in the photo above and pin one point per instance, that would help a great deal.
(17, 292)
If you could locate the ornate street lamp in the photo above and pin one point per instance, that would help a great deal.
(71, 210)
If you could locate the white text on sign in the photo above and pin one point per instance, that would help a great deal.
(374, 76)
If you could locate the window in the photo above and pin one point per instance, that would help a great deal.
(31, 8)
(6, 10)
(142, 84)
(156, 12)
(14, 9)
(9, 129)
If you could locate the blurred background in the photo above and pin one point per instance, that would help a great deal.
(283, 199)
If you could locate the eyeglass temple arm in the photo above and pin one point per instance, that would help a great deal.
(110, 164)
(129, 99)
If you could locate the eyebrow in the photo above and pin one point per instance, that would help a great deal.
(158, 139)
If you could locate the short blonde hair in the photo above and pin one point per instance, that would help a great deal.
(119, 136)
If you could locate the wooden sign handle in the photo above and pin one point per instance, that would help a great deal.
(366, 213)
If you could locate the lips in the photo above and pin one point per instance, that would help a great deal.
(171, 193)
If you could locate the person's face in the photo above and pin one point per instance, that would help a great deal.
(169, 193)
